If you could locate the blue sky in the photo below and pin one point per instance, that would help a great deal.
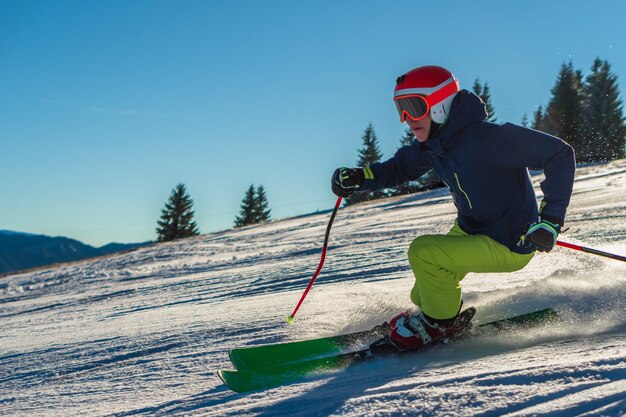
(106, 106)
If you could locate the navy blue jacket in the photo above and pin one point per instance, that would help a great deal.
(486, 167)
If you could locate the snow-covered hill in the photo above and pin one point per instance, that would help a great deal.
(144, 332)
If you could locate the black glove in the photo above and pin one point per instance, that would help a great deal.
(542, 236)
(346, 181)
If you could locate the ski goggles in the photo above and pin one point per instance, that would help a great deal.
(413, 106)
(415, 103)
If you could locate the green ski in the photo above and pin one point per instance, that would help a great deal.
(273, 376)
(292, 370)
(283, 353)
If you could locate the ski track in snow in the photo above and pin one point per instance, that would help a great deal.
(143, 333)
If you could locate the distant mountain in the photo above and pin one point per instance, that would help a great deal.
(20, 250)
(120, 247)
(13, 233)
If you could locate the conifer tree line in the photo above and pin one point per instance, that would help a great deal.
(586, 112)
(482, 91)
(176, 221)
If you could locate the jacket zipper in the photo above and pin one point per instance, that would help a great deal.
(464, 193)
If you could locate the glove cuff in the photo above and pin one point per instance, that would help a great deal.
(361, 175)
(366, 173)
(553, 221)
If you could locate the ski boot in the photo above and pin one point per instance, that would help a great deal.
(411, 332)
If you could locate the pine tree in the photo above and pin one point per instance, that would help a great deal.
(262, 212)
(566, 108)
(483, 92)
(524, 122)
(177, 217)
(538, 119)
(606, 128)
(254, 207)
(369, 154)
(248, 212)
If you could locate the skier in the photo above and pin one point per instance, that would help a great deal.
(499, 226)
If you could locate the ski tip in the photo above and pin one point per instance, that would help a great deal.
(224, 377)
(235, 382)
(236, 359)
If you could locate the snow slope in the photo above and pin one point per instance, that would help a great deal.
(144, 332)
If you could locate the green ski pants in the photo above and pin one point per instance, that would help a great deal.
(440, 262)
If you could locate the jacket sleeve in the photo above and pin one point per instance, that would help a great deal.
(516, 146)
(408, 164)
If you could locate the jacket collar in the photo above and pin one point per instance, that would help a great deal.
(467, 108)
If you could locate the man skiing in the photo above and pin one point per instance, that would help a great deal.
(499, 226)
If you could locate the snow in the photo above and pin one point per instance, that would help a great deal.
(144, 333)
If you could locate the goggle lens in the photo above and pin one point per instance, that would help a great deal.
(414, 106)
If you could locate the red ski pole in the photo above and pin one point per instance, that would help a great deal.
(291, 318)
(590, 250)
